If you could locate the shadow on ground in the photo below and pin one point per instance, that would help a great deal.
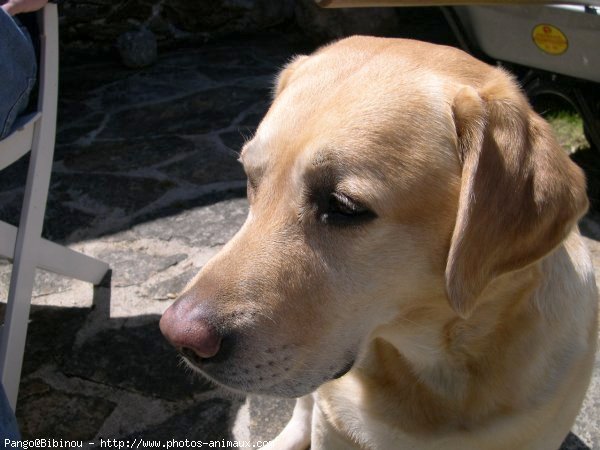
(124, 376)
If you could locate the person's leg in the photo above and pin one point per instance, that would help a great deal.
(18, 71)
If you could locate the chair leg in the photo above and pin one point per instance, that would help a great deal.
(56, 258)
(14, 331)
(27, 242)
(64, 261)
(30, 250)
(47, 255)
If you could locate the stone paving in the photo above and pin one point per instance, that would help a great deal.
(146, 178)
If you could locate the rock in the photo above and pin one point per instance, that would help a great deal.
(137, 48)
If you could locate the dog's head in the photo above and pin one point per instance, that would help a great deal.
(386, 174)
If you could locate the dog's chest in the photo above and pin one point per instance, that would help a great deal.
(347, 407)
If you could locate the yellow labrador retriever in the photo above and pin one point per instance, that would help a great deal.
(410, 266)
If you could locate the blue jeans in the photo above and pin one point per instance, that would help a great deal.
(8, 423)
(18, 71)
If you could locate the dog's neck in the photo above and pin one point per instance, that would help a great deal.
(438, 372)
(437, 361)
(429, 372)
(420, 332)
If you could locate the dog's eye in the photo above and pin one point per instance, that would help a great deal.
(342, 210)
(251, 187)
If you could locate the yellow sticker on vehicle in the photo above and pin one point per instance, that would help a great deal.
(550, 39)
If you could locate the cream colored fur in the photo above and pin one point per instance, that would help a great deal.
(413, 217)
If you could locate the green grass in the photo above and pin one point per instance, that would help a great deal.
(568, 127)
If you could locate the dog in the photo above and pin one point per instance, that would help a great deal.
(410, 268)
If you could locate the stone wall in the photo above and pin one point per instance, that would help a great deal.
(100, 22)
(96, 25)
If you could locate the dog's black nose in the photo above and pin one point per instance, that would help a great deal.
(187, 328)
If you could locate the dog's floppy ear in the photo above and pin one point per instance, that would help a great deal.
(520, 194)
(286, 74)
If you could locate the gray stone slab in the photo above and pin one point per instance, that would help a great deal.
(168, 289)
(80, 80)
(193, 70)
(268, 416)
(164, 81)
(135, 358)
(127, 193)
(120, 156)
(208, 163)
(70, 110)
(199, 113)
(260, 52)
(10, 207)
(251, 120)
(246, 127)
(50, 335)
(96, 24)
(45, 283)
(206, 421)
(236, 139)
(587, 426)
(130, 267)
(44, 412)
(15, 175)
(64, 217)
(199, 227)
(79, 129)
(80, 201)
(573, 442)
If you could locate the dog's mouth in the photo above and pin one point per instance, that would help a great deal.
(344, 370)
(275, 375)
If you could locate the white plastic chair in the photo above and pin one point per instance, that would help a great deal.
(24, 245)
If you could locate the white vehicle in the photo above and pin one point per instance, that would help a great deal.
(553, 47)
